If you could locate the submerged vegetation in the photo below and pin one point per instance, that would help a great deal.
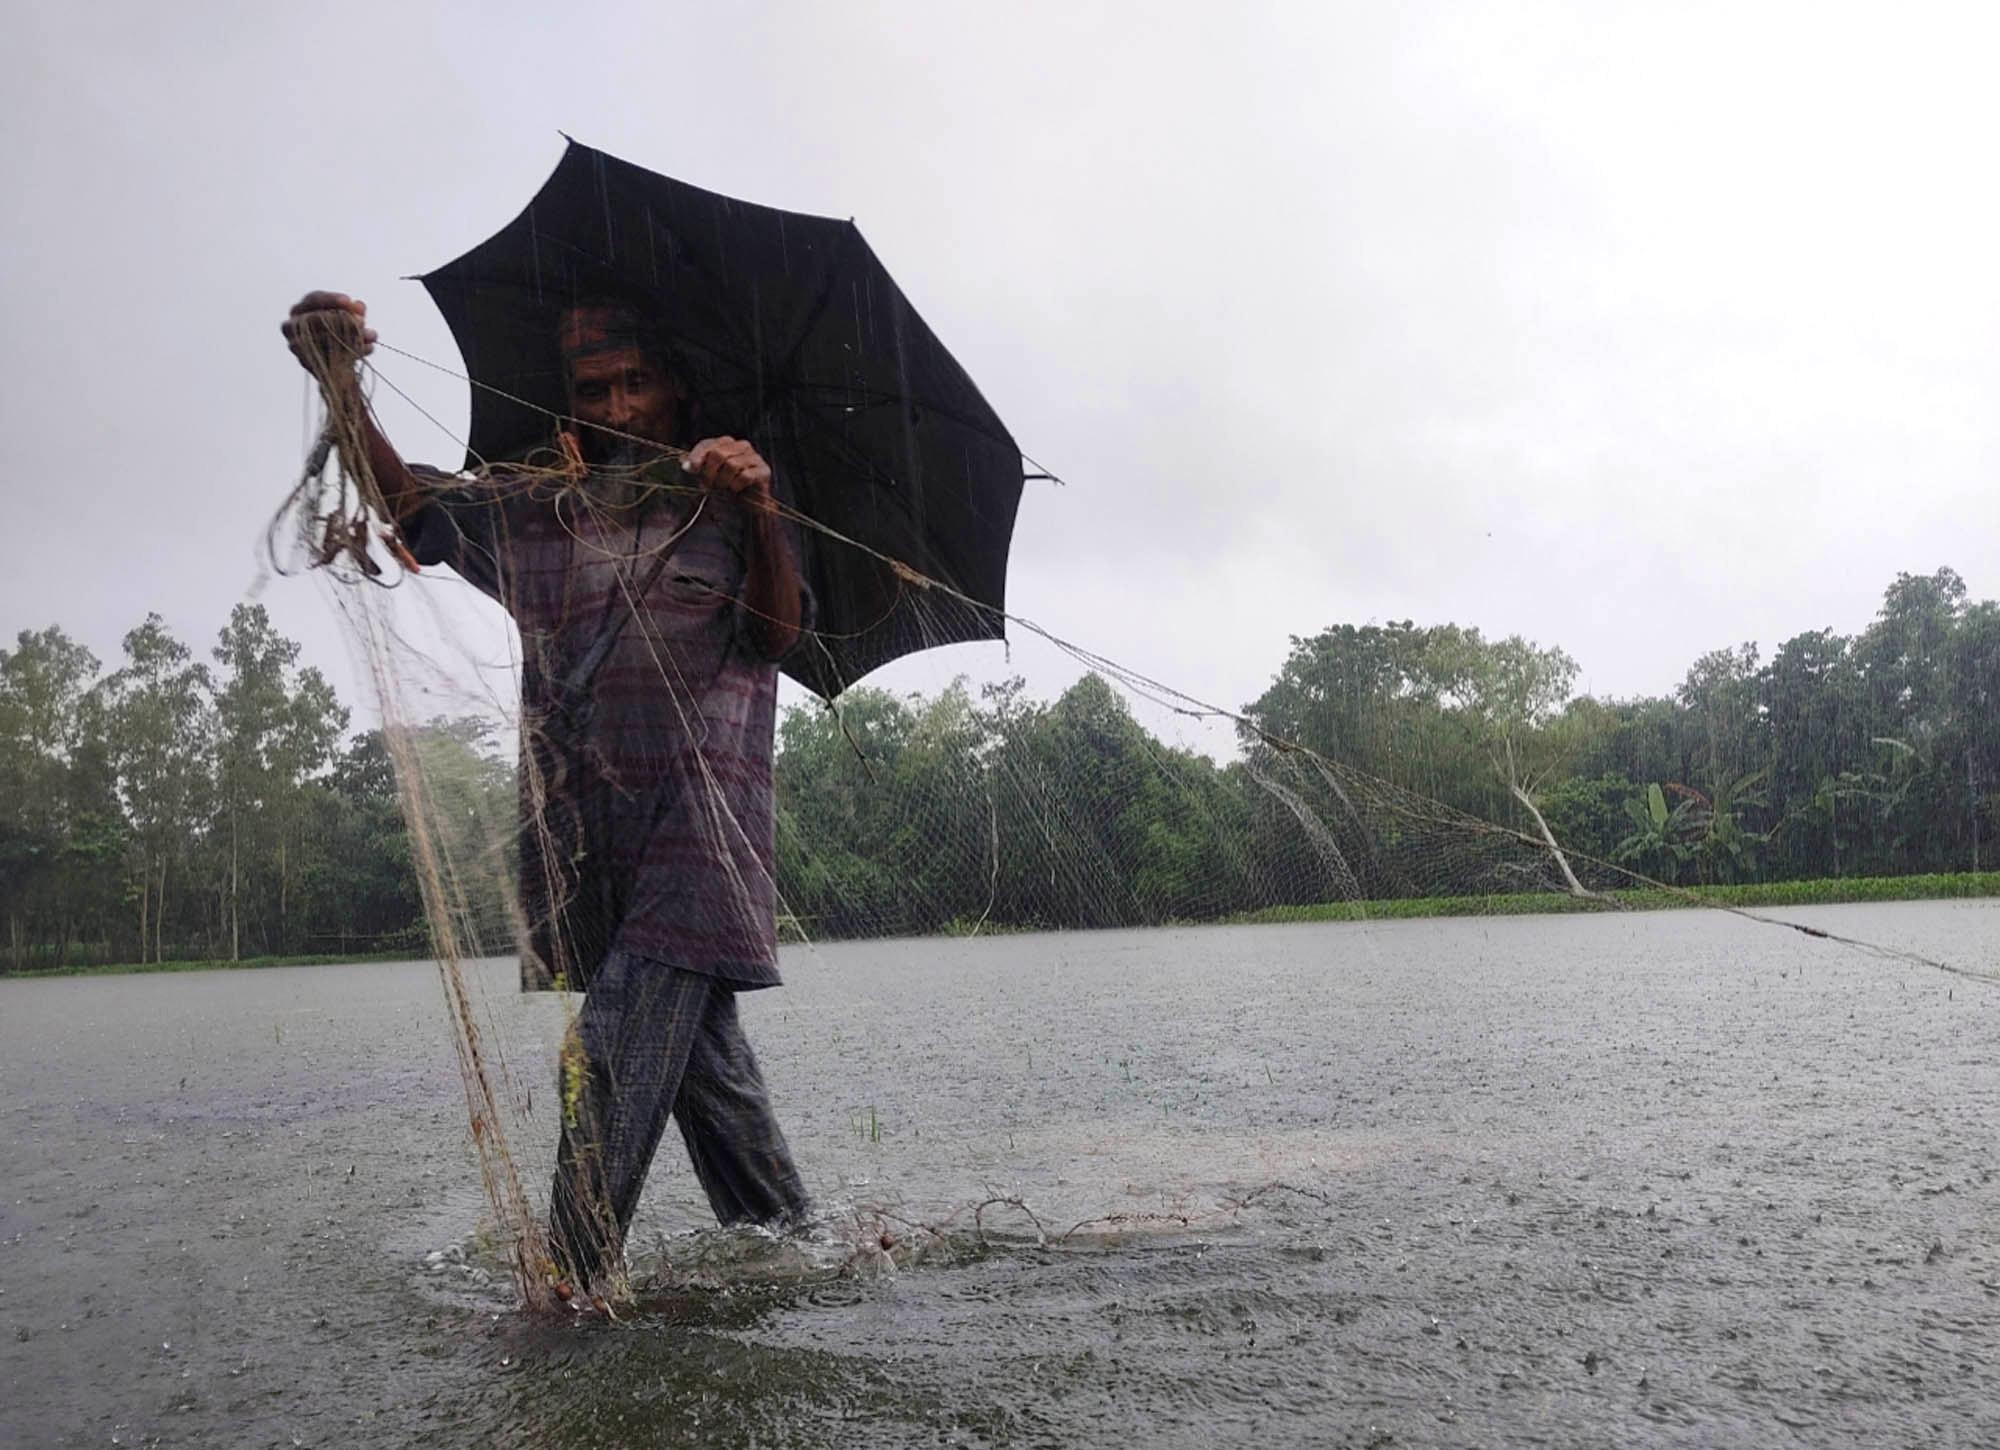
(182, 811)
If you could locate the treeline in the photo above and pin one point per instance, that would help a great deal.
(214, 808)
(218, 808)
(1871, 755)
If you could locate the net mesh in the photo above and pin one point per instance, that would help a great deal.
(1110, 800)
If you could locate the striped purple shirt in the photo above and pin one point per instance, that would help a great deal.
(648, 714)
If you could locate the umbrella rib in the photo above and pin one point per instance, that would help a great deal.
(878, 399)
(949, 576)
(854, 456)
(820, 303)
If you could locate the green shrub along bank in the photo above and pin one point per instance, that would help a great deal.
(1941, 887)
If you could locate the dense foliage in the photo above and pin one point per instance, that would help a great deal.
(1840, 757)
(178, 807)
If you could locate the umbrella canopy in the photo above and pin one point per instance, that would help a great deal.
(794, 336)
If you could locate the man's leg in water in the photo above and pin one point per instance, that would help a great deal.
(725, 1114)
(640, 1021)
(657, 1040)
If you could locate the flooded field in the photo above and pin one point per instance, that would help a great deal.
(1662, 1179)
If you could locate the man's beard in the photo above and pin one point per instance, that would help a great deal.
(617, 465)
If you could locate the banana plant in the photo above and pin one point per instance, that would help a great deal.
(1657, 842)
(1723, 847)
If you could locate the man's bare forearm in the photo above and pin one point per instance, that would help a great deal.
(772, 589)
(773, 592)
(401, 493)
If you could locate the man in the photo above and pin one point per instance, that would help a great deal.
(653, 599)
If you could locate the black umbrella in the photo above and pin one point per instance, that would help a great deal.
(794, 336)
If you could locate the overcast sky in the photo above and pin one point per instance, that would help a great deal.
(1640, 329)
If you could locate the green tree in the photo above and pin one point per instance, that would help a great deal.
(1973, 697)
(89, 889)
(249, 704)
(160, 733)
(276, 729)
(1515, 691)
(472, 804)
(1811, 696)
(837, 813)
(1590, 815)
(359, 889)
(1920, 733)
(1723, 705)
(1388, 702)
(44, 681)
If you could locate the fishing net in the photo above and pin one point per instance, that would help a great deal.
(1110, 800)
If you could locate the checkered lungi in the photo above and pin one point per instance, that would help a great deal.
(654, 1041)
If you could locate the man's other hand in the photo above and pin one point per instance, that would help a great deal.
(729, 465)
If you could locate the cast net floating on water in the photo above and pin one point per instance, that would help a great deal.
(1388, 772)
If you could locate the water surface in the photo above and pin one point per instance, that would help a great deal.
(1649, 1179)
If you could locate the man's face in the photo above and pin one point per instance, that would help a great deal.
(615, 387)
